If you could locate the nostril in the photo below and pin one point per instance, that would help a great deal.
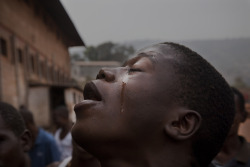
(106, 75)
(103, 75)
(100, 76)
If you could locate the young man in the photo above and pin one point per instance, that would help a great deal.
(63, 134)
(165, 107)
(15, 140)
(44, 150)
(235, 150)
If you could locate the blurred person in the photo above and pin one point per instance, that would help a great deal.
(235, 151)
(44, 150)
(15, 139)
(165, 107)
(63, 134)
(79, 158)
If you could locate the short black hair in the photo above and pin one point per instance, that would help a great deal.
(201, 88)
(241, 99)
(27, 116)
(63, 110)
(12, 118)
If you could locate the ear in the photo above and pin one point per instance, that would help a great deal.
(26, 140)
(183, 124)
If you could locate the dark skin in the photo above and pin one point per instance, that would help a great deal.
(80, 158)
(13, 149)
(128, 119)
(33, 130)
(232, 144)
(62, 122)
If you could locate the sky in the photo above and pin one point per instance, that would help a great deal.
(99, 21)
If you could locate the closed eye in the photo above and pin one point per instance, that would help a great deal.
(132, 70)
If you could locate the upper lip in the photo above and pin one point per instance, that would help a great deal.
(91, 92)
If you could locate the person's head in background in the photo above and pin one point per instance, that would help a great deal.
(30, 123)
(235, 150)
(61, 116)
(167, 106)
(240, 111)
(15, 139)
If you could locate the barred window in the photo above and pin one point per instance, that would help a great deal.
(3, 47)
(20, 55)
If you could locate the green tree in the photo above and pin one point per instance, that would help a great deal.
(109, 51)
(239, 83)
(75, 57)
(91, 53)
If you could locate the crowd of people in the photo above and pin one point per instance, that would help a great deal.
(167, 106)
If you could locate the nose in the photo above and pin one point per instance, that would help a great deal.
(106, 74)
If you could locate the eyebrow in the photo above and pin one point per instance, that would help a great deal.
(133, 60)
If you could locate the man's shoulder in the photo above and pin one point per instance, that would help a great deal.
(46, 136)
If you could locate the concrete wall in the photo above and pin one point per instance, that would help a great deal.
(72, 97)
(39, 105)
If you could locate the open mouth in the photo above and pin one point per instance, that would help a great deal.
(91, 92)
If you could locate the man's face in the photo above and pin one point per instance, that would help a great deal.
(238, 118)
(58, 118)
(126, 103)
(11, 153)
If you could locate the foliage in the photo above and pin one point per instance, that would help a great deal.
(109, 51)
(76, 57)
(239, 83)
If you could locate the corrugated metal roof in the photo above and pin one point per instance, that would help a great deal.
(57, 12)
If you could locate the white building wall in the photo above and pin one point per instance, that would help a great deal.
(39, 105)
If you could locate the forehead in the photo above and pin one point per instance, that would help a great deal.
(161, 55)
(160, 49)
(156, 53)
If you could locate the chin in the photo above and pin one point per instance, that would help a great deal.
(78, 134)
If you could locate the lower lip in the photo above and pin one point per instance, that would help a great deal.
(85, 104)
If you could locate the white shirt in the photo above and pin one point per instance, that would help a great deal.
(65, 162)
(64, 145)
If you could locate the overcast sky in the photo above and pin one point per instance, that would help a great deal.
(99, 21)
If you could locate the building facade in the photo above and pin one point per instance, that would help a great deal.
(34, 59)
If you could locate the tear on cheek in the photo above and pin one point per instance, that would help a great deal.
(125, 79)
(124, 83)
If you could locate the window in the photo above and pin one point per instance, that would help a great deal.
(74, 98)
(3, 47)
(44, 70)
(49, 73)
(41, 68)
(32, 63)
(20, 55)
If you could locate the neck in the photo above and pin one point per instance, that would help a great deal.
(26, 161)
(148, 157)
(34, 130)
